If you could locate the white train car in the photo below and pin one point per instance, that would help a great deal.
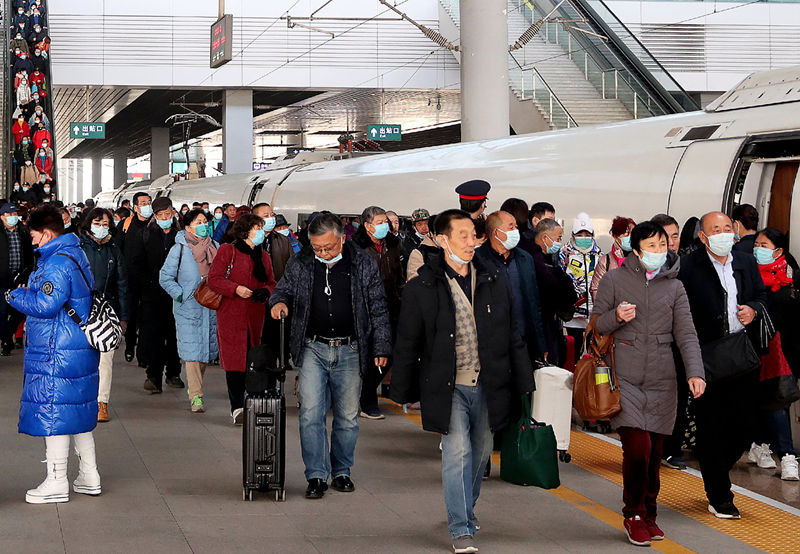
(745, 147)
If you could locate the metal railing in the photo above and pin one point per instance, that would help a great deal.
(7, 91)
(530, 84)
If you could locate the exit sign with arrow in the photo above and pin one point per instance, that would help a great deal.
(81, 130)
(384, 132)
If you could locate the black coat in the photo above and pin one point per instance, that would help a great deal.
(707, 298)
(390, 265)
(745, 244)
(6, 278)
(108, 268)
(424, 365)
(370, 314)
(784, 306)
(145, 250)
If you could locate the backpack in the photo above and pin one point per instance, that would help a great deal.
(102, 328)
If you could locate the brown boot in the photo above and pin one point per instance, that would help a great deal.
(102, 412)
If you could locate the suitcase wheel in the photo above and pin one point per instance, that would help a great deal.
(564, 456)
(247, 494)
(280, 495)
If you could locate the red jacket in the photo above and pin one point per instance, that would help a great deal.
(38, 80)
(46, 167)
(39, 136)
(239, 321)
(20, 131)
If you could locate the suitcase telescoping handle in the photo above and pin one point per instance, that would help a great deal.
(282, 361)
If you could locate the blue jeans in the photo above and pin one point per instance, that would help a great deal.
(329, 377)
(778, 427)
(465, 451)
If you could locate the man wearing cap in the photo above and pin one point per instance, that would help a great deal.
(16, 260)
(158, 342)
(419, 222)
(282, 227)
(472, 197)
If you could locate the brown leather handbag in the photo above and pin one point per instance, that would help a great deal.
(207, 297)
(595, 389)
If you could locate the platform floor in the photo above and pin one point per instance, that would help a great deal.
(172, 483)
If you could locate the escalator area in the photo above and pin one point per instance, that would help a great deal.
(30, 172)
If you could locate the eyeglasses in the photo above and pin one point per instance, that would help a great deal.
(327, 250)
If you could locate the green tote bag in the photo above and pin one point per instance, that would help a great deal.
(528, 454)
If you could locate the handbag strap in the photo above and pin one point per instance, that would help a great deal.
(230, 265)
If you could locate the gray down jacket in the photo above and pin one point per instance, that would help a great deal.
(643, 355)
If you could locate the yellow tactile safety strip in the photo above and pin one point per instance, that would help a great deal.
(762, 526)
(581, 502)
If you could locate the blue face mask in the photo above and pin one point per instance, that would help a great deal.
(381, 230)
(284, 232)
(455, 258)
(218, 216)
(625, 243)
(259, 238)
(653, 261)
(146, 211)
(99, 231)
(164, 223)
(269, 224)
(764, 256)
(332, 261)
(554, 248)
(202, 230)
(512, 239)
(12, 220)
(721, 243)
(355, 225)
(584, 243)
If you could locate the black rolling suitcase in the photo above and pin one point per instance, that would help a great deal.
(264, 428)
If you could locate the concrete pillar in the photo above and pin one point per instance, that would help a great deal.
(237, 131)
(67, 194)
(159, 152)
(120, 167)
(79, 193)
(97, 176)
(484, 70)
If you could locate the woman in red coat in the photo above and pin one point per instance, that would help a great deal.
(44, 163)
(242, 274)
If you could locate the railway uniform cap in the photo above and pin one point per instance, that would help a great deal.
(476, 189)
(420, 214)
(8, 208)
(582, 223)
(280, 219)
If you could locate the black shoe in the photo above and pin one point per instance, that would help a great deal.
(316, 488)
(152, 387)
(343, 483)
(175, 382)
(674, 462)
(725, 511)
(19, 344)
(6, 350)
(128, 356)
(488, 471)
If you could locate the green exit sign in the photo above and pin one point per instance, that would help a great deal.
(383, 132)
(82, 130)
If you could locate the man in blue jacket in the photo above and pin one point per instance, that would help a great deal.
(59, 394)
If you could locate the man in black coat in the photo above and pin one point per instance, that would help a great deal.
(16, 262)
(726, 295)
(157, 335)
(459, 352)
(126, 229)
(340, 328)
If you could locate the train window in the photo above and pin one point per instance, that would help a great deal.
(699, 133)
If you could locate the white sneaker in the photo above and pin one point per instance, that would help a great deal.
(754, 454)
(789, 468)
(766, 461)
(55, 487)
(238, 416)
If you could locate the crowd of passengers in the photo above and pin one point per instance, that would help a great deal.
(454, 311)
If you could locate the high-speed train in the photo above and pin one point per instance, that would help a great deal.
(743, 148)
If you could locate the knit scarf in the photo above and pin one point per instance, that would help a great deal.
(203, 251)
(774, 274)
(259, 271)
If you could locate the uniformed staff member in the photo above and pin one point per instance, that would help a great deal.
(472, 197)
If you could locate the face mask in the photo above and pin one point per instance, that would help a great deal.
(164, 223)
(764, 256)
(512, 239)
(381, 231)
(625, 243)
(27, 162)
(26, 189)
(16, 187)
(146, 211)
(284, 232)
(720, 244)
(653, 261)
(25, 142)
(421, 236)
(184, 212)
(259, 238)
(202, 230)
(12, 220)
(330, 262)
(22, 56)
(206, 210)
(218, 216)
(355, 225)
(584, 243)
(269, 224)
(99, 231)
(453, 257)
(38, 54)
(47, 189)
(554, 248)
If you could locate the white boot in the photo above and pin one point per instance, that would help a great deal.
(55, 488)
(88, 481)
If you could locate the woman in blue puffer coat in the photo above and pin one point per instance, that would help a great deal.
(59, 394)
(187, 263)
